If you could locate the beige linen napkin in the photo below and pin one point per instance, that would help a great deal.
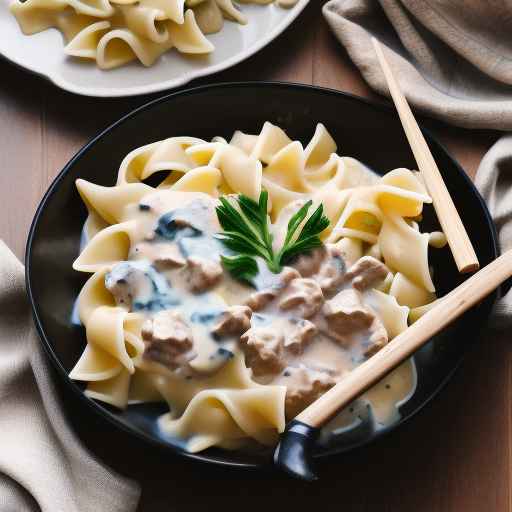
(43, 465)
(454, 58)
(494, 180)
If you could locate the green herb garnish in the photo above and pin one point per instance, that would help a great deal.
(246, 232)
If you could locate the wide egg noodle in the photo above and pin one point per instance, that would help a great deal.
(93, 295)
(350, 173)
(172, 9)
(231, 12)
(93, 225)
(85, 43)
(280, 196)
(166, 155)
(187, 37)
(351, 249)
(206, 179)
(95, 364)
(113, 391)
(408, 293)
(37, 15)
(319, 150)
(242, 173)
(244, 141)
(97, 8)
(106, 248)
(105, 330)
(110, 203)
(400, 192)
(169, 155)
(361, 217)
(202, 154)
(264, 146)
(215, 416)
(334, 202)
(392, 314)
(397, 193)
(115, 32)
(406, 250)
(286, 168)
(227, 405)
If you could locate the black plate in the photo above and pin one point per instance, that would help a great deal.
(362, 129)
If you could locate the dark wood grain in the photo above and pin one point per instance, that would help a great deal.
(453, 456)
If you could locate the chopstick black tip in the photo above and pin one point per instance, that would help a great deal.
(293, 454)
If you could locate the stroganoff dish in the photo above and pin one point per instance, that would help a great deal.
(115, 32)
(249, 281)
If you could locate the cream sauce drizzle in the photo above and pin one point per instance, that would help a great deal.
(154, 219)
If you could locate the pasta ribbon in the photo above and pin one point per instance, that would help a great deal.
(116, 32)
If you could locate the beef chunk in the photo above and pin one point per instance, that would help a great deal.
(298, 334)
(202, 273)
(167, 257)
(258, 300)
(234, 321)
(304, 296)
(263, 347)
(378, 337)
(332, 269)
(366, 272)
(303, 386)
(168, 339)
(126, 280)
(345, 313)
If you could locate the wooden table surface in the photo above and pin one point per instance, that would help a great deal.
(453, 456)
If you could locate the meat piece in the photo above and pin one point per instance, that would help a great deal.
(332, 270)
(304, 296)
(263, 348)
(126, 280)
(366, 272)
(345, 313)
(378, 338)
(168, 339)
(303, 386)
(202, 273)
(258, 300)
(168, 256)
(298, 334)
(164, 255)
(309, 262)
(235, 320)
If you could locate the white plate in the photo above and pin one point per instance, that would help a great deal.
(43, 54)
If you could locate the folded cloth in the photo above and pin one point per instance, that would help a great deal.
(43, 465)
(453, 59)
(494, 180)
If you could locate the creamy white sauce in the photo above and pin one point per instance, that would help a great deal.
(164, 288)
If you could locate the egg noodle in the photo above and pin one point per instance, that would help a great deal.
(115, 32)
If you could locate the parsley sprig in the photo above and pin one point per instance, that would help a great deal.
(246, 232)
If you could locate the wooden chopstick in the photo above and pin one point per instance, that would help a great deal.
(449, 218)
(450, 307)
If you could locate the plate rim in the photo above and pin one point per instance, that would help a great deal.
(199, 457)
(102, 92)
